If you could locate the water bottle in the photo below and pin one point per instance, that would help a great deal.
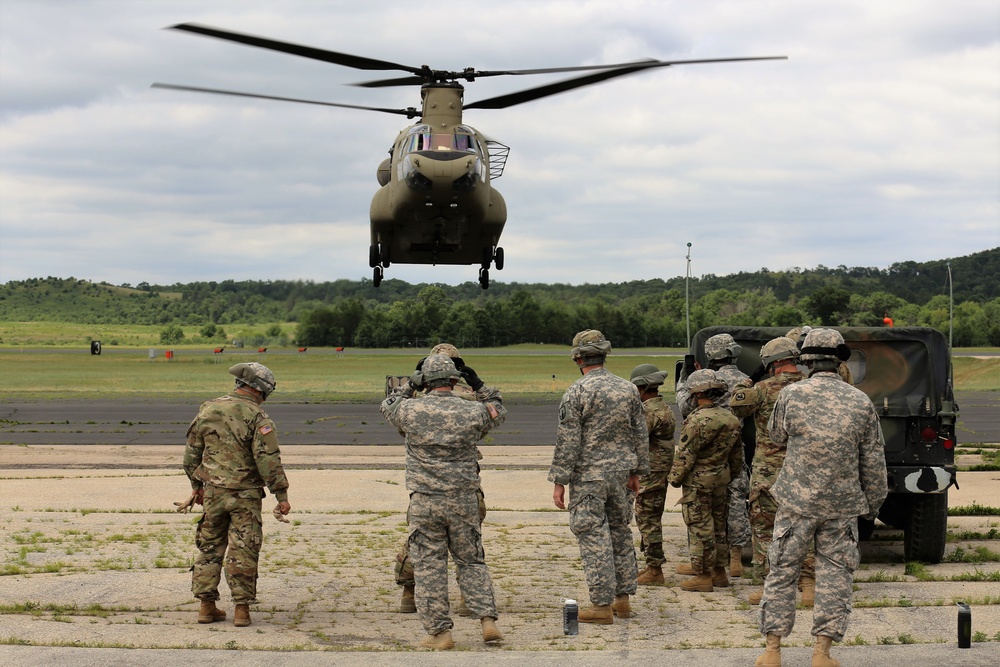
(571, 618)
(964, 625)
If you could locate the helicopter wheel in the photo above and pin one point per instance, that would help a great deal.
(484, 278)
(373, 256)
(377, 276)
(384, 254)
(498, 259)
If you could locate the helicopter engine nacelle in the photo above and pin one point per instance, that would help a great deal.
(383, 173)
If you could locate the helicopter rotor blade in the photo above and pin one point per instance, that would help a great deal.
(409, 113)
(345, 59)
(520, 97)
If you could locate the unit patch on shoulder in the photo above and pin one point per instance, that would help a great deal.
(265, 429)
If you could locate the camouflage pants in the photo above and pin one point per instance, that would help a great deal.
(600, 514)
(763, 508)
(738, 528)
(649, 515)
(837, 556)
(404, 567)
(229, 534)
(440, 524)
(705, 517)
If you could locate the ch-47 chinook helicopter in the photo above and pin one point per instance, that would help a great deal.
(437, 204)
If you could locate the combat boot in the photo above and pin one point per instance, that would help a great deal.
(439, 642)
(490, 631)
(772, 653)
(719, 577)
(597, 613)
(407, 604)
(821, 653)
(208, 613)
(621, 607)
(808, 587)
(736, 561)
(685, 568)
(241, 616)
(701, 583)
(653, 574)
(756, 596)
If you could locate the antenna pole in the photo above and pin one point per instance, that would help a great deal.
(951, 306)
(687, 296)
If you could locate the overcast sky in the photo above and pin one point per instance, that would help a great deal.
(877, 141)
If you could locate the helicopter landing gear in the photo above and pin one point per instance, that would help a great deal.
(377, 276)
(493, 256)
(498, 259)
(384, 254)
(378, 254)
(373, 256)
(484, 278)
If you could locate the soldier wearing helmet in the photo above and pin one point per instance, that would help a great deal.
(601, 449)
(834, 471)
(798, 334)
(404, 567)
(756, 401)
(650, 500)
(722, 352)
(231, 454)
(708, 451)
(442, 475)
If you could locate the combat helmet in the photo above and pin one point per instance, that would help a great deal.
(721, 347)
(798, 334)
(705, 380)
(780, 348)
(825, 344)
(589, 344)
(256, 375)
(451, 351)
(438, 370)
(647, 375)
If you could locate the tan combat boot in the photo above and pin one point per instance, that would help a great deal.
(621, 607)
(756, 596)
(241, 616)
(208, 613)
(808, 587)
(652, 575)
(685, 568)
(601, 614)
(736, 561)
(719, 577)
(407, 604)
(701, 583)
(821, 653)
(490, 631)
(772, 653)
(439, 642)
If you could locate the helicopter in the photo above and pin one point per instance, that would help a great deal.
(436, 203)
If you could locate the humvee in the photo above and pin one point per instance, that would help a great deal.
(906, 371)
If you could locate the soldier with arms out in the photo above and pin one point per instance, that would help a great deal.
(232, 452)
(442, 476)
(834, 472)
(601, 449)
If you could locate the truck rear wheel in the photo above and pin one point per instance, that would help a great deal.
(926, 528)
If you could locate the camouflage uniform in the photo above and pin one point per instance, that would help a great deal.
(652, 495)
(232, 451)
(834, 472)
(442, 476)
(707, 450)
(758, 401)
(600, 442)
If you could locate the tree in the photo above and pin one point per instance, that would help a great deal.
(172, 335)
(829, 304)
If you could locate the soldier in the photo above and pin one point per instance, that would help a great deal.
(442, 476)
(798, 334)
(653, 487)
(708, 450)
(778, 359)
(722, 352)
(601, 449)
(833, 473)
(404, 568)
(232, 452)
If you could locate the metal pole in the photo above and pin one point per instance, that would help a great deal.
(951, 306)
(687, 297)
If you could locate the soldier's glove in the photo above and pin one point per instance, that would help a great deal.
(185, 506)
(470, 377)
(759, 373)
(278, 515)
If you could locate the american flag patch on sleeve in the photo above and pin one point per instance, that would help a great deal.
(267, 428)
(492, 409)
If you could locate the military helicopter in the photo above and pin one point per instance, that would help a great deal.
(436, 204)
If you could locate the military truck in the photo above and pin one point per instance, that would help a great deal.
(906, 371)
